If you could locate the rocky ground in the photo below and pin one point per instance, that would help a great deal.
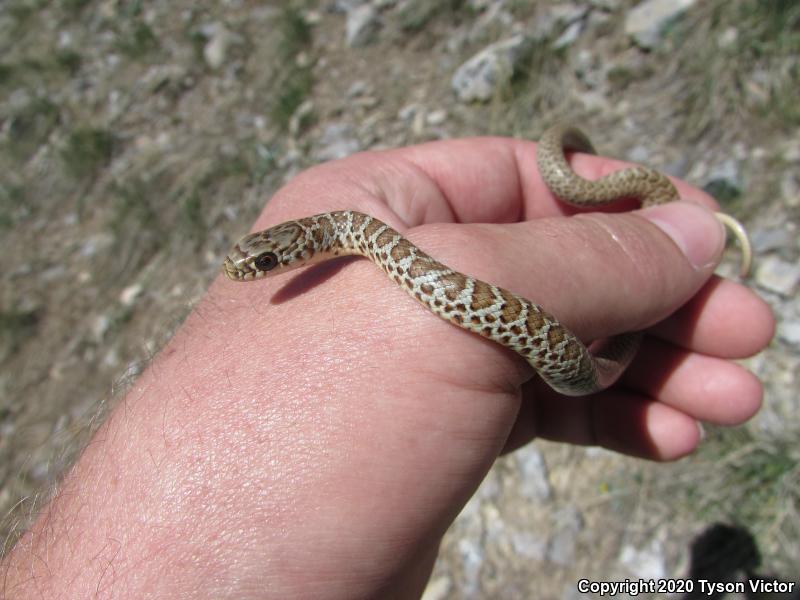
(138, 139)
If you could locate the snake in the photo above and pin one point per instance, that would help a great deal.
(557, 355)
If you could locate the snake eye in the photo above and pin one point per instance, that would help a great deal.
(266, 261)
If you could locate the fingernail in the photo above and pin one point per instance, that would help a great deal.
(693, 228)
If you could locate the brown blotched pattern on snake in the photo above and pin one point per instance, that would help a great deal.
(556, 354)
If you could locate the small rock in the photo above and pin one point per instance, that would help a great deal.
(609, 5)
(790, 188)
(345, 6)
(588, 70)
(791, 151)
(100, 326)
(534, 483)
(472, 557)
(300, 117)
(555, 16)
(312, 17)
(437, 589)
(409, 111)
(561, 548)
(769, 240)
(436, 117)
(160, 77)
(528, 545)
(481, 5)
(111, 359)
(338, 140)
(639, 154)
(567, 12)
(777, 275)
(362, 25)
(357, 88)
(647, 20)
(216, 49)
(53, 273)
(645, 563)
(789, 332)
(493, 525)
(486, 73)
(724, 181)
(569, 36)
(571, 592)
(495, 18)
(728, 37)
(130, 294)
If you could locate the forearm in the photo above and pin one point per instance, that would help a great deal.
(224, 472)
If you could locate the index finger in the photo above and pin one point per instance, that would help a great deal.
(469, 180)
(499, 176)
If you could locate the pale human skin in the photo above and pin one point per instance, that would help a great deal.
(313, 435)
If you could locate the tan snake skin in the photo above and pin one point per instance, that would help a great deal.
(557, 355)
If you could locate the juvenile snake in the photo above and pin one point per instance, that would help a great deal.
(556, 354)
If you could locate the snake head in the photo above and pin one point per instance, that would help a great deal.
(266, 253)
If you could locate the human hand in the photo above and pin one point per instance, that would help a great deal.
(315, 434)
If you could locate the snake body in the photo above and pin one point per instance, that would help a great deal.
(557, 355)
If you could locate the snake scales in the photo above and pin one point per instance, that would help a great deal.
(556, 354)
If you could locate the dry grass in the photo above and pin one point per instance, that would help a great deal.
(735, 479)
(736, 59)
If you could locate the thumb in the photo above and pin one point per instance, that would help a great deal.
(639, 267)
(600, 274)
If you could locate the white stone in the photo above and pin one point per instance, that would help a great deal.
(528, 545)
(646, 21)
(437, 589)
(608, 5)
(562, 544)
(215, 51)
(645, 563)
(534, 481)
(569, 36)
(777, 275)
(408, 111)
(790, 333)
(362, 25)
(485, 74)
(129, 295)
(338, 140)
(436, 117)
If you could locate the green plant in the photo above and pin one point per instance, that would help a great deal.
(415, 15)
(86, 150)
(137, 41)
(12, 198)
(755, 70)
(295, 32)
(30, 126)
(295, 81)
(69, 60)
(15, 326)
(6, 72)
(295, 88)
(74, 6)
(192, 219)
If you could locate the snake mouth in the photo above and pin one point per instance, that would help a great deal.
(239, 270)
(236, 267)
(230, 270)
